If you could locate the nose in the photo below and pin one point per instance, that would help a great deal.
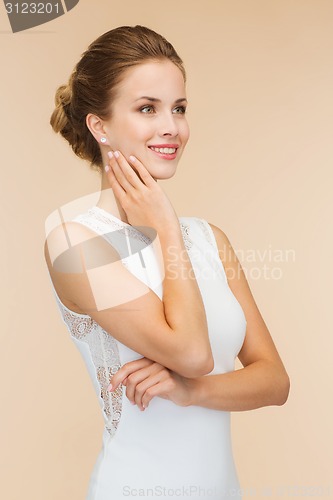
(168, 125)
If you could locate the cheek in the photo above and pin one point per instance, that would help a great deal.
(127, 130)
(125, 138)
(139, 132)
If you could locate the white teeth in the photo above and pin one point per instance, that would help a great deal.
(164, 150)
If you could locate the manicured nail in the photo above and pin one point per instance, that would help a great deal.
(116, 153)
(132, 158)
(110, 387)
(132, 402)
(110, 154)
(107, 168)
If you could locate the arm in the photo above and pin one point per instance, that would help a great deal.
(90, 274)
(263, 380)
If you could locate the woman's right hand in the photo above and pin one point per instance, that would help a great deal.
(142, 199)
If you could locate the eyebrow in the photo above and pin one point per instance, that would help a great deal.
(154, 99)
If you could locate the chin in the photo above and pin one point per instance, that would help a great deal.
(160, 176)
(161, 172)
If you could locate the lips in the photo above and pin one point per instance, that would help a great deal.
(165, 151)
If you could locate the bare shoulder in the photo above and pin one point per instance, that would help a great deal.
(67, 235)
(70, 239)
(226, 252)
(235, 275)
(258, 344)
(70, 249)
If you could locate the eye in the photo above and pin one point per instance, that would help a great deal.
(180, 110)
(148, 109)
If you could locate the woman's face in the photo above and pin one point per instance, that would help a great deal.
(148, 117)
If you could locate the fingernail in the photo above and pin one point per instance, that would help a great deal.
(116, 153)
(132, 402)
(107, 168)
(110, 387)
(110, 154)
(132, 158)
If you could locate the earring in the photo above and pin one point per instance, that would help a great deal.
(103, 139)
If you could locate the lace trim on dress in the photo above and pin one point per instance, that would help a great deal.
(105, 356)
(102, 346)
(186, 237)
(206, 232)
(96, 215)
(97, 219)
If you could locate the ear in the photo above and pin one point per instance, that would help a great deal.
(96, 127)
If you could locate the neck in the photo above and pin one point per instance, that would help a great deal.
(109, 202)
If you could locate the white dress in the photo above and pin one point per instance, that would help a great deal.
(166, 451)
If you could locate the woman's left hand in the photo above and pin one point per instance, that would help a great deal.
(145, 379)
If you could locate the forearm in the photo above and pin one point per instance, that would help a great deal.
(182, 301)
(258, 384)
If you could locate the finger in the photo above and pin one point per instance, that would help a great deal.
(128, 171)
(144, 388)
(138, 378)
(159, 389)
(126, 370)
(144, 392)
(145, 176)
(118, 191)
(117, 164)
(119, 377)
(116, 380)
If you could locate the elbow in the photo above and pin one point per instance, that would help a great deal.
(197, 365)
(283, 392)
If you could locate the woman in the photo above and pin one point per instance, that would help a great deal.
(160, 327)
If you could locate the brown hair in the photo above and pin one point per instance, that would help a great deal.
(92, 85)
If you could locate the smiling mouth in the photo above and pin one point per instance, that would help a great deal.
(164, 151)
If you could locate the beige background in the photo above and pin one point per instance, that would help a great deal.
(258, 165)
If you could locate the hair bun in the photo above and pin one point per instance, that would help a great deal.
(63, 95)
(60, 116)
